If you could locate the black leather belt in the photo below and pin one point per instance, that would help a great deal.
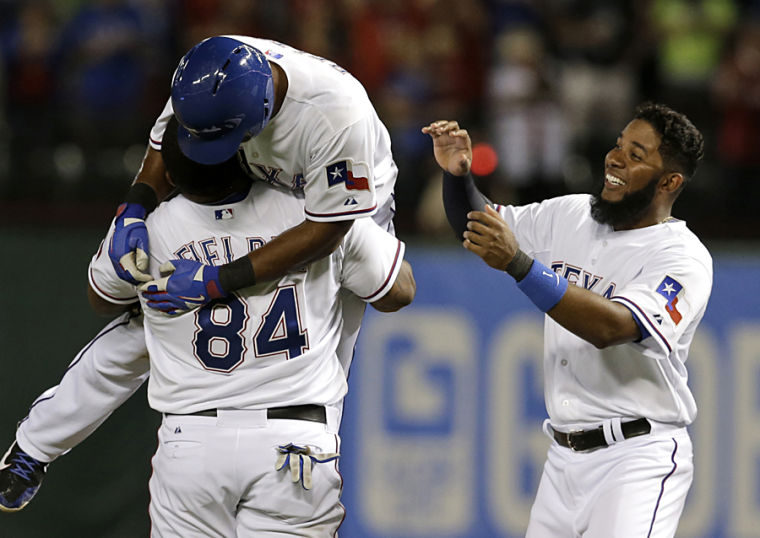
(588, 439)
(312, 413)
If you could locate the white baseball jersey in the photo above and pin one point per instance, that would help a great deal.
(270, 345)
(325, 142)
(661, 273)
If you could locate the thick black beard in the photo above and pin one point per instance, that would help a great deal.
(626, 212)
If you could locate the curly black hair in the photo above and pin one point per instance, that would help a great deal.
(681, 145)
(194, 178)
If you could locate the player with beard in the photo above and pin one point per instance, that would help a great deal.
(616, 341)
(625, 212)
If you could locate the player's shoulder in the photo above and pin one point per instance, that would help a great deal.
(678, 238)
(168, 209)
(672, 246)
(570, 202)
(576, 206)
(171, 206)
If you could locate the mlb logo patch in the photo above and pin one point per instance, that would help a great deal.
(670, 288)
(353, 176)
(224, 214)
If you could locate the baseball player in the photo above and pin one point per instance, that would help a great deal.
(624, 285)
(342, 130)
(250, 386)
(299, 121)
(317, 134)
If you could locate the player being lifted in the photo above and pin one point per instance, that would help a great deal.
(299, 121)
(225, 375)
(304, 124)
(624, 285)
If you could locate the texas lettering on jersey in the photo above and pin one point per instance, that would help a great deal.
(584, 279)
(272, 175)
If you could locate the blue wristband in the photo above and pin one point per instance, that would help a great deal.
(543, 286)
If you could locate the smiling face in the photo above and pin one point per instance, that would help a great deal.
(632, 169)
(633, 163)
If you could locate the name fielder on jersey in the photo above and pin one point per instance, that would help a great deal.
(206, 250)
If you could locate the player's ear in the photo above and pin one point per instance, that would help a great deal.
(671, 182)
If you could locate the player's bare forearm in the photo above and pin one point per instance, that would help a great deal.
(401, 294)
(187, 284)
(594, 318)
(105, 308)
(153, 173)
(296, 247)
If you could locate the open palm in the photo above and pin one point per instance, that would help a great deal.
(451, 146)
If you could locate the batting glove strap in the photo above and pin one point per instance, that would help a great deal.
(185, 285)
(129, 245)
(300, 460)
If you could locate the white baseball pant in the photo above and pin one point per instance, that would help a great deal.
(635, 488)
(216, 477)
(104, 374)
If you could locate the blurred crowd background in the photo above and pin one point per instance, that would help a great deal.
(543, 86)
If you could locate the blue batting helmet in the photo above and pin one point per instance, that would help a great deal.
(221, 92)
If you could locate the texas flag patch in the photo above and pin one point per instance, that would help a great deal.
(670, 288)
(353, 175)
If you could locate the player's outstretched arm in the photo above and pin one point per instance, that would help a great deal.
(187, 284)
(294, 248)
(401, 294)
(594, 318)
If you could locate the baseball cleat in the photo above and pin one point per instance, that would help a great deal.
(20, 478)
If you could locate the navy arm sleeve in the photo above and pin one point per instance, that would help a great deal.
(460, 196)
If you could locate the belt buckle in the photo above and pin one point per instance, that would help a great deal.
(573, 435)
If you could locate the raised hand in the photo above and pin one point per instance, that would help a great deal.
(184, 286)
(451, 146)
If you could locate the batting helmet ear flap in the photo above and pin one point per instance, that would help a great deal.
(222, 92)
